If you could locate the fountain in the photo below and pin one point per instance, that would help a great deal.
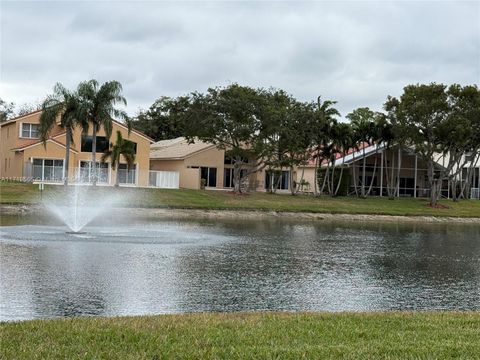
(77, 205)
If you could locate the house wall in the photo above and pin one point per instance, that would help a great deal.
(188, 178)
(142, 158)
(189, 168)
(9, 136)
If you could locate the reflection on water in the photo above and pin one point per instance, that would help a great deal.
(183, 266)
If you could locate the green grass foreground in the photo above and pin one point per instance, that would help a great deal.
(445, 335)
(20, 193)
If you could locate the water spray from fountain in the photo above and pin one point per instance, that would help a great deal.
(78, 205)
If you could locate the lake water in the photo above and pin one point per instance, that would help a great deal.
(153, 267)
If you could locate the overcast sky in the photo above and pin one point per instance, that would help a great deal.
(354, 52)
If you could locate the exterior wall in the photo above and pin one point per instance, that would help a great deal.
(189, 177)
(8, 140)
(212, 158)
(189, 168)
(50, 151)
(16, 160)
(141, 159)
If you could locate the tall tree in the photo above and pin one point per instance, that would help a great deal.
(232, 118)
(342, 137)
(363, 125)
(122, 148)
(324, 116)
(62, 105)
(420, 112)
(461, 133)
(98, 106)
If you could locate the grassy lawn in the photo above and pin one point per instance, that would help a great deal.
(15, 193)
(248, 336)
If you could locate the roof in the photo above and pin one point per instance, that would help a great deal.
(11, 121)
(311, 162)
(40, 142)
(177, 149)
(139, 133)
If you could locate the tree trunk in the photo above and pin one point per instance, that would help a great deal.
(301, 179)
(363, 173)
(373, 178)
(117, 178)
(433, 183)
(397, 186)
(94, 155)
(237, 188)
(68, 140)
(393, 183)
(315, 185)
(341, 175)
(470, 174)
(292, 185)
(354, 166)
(331, 185)
(325, 177)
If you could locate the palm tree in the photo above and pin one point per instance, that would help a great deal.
(98, 107)
(343, 141)
(321, 124)
(122, 147)
(362, 121)
(66, 105)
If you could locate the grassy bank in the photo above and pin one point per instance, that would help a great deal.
(19, 193)
(248, 336)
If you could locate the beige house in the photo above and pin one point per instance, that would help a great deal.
(24, 156)
(202, 164)
(191, 161)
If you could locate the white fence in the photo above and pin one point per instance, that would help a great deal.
(164, 179)
(475, 193)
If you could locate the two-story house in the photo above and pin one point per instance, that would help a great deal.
(24, 155)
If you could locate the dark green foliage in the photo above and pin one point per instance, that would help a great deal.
(165, 119)
(6, 110)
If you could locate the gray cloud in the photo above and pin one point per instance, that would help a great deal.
(354, 52)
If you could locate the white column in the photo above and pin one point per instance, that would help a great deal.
(415, 180)
(381, 173)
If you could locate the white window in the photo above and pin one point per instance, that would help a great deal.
(86, 172)
(48, 169)
(125, 175)
(30, 131)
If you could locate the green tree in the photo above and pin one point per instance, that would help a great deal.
(461, 134)
(62, 105)
(342, 139)
(6, 110)
(98, 107)
(232, 118)
(122, 148)
(321, 124)
(164, 119)
(419, 114)
(363, 126)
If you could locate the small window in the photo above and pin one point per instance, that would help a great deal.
(30, 131)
